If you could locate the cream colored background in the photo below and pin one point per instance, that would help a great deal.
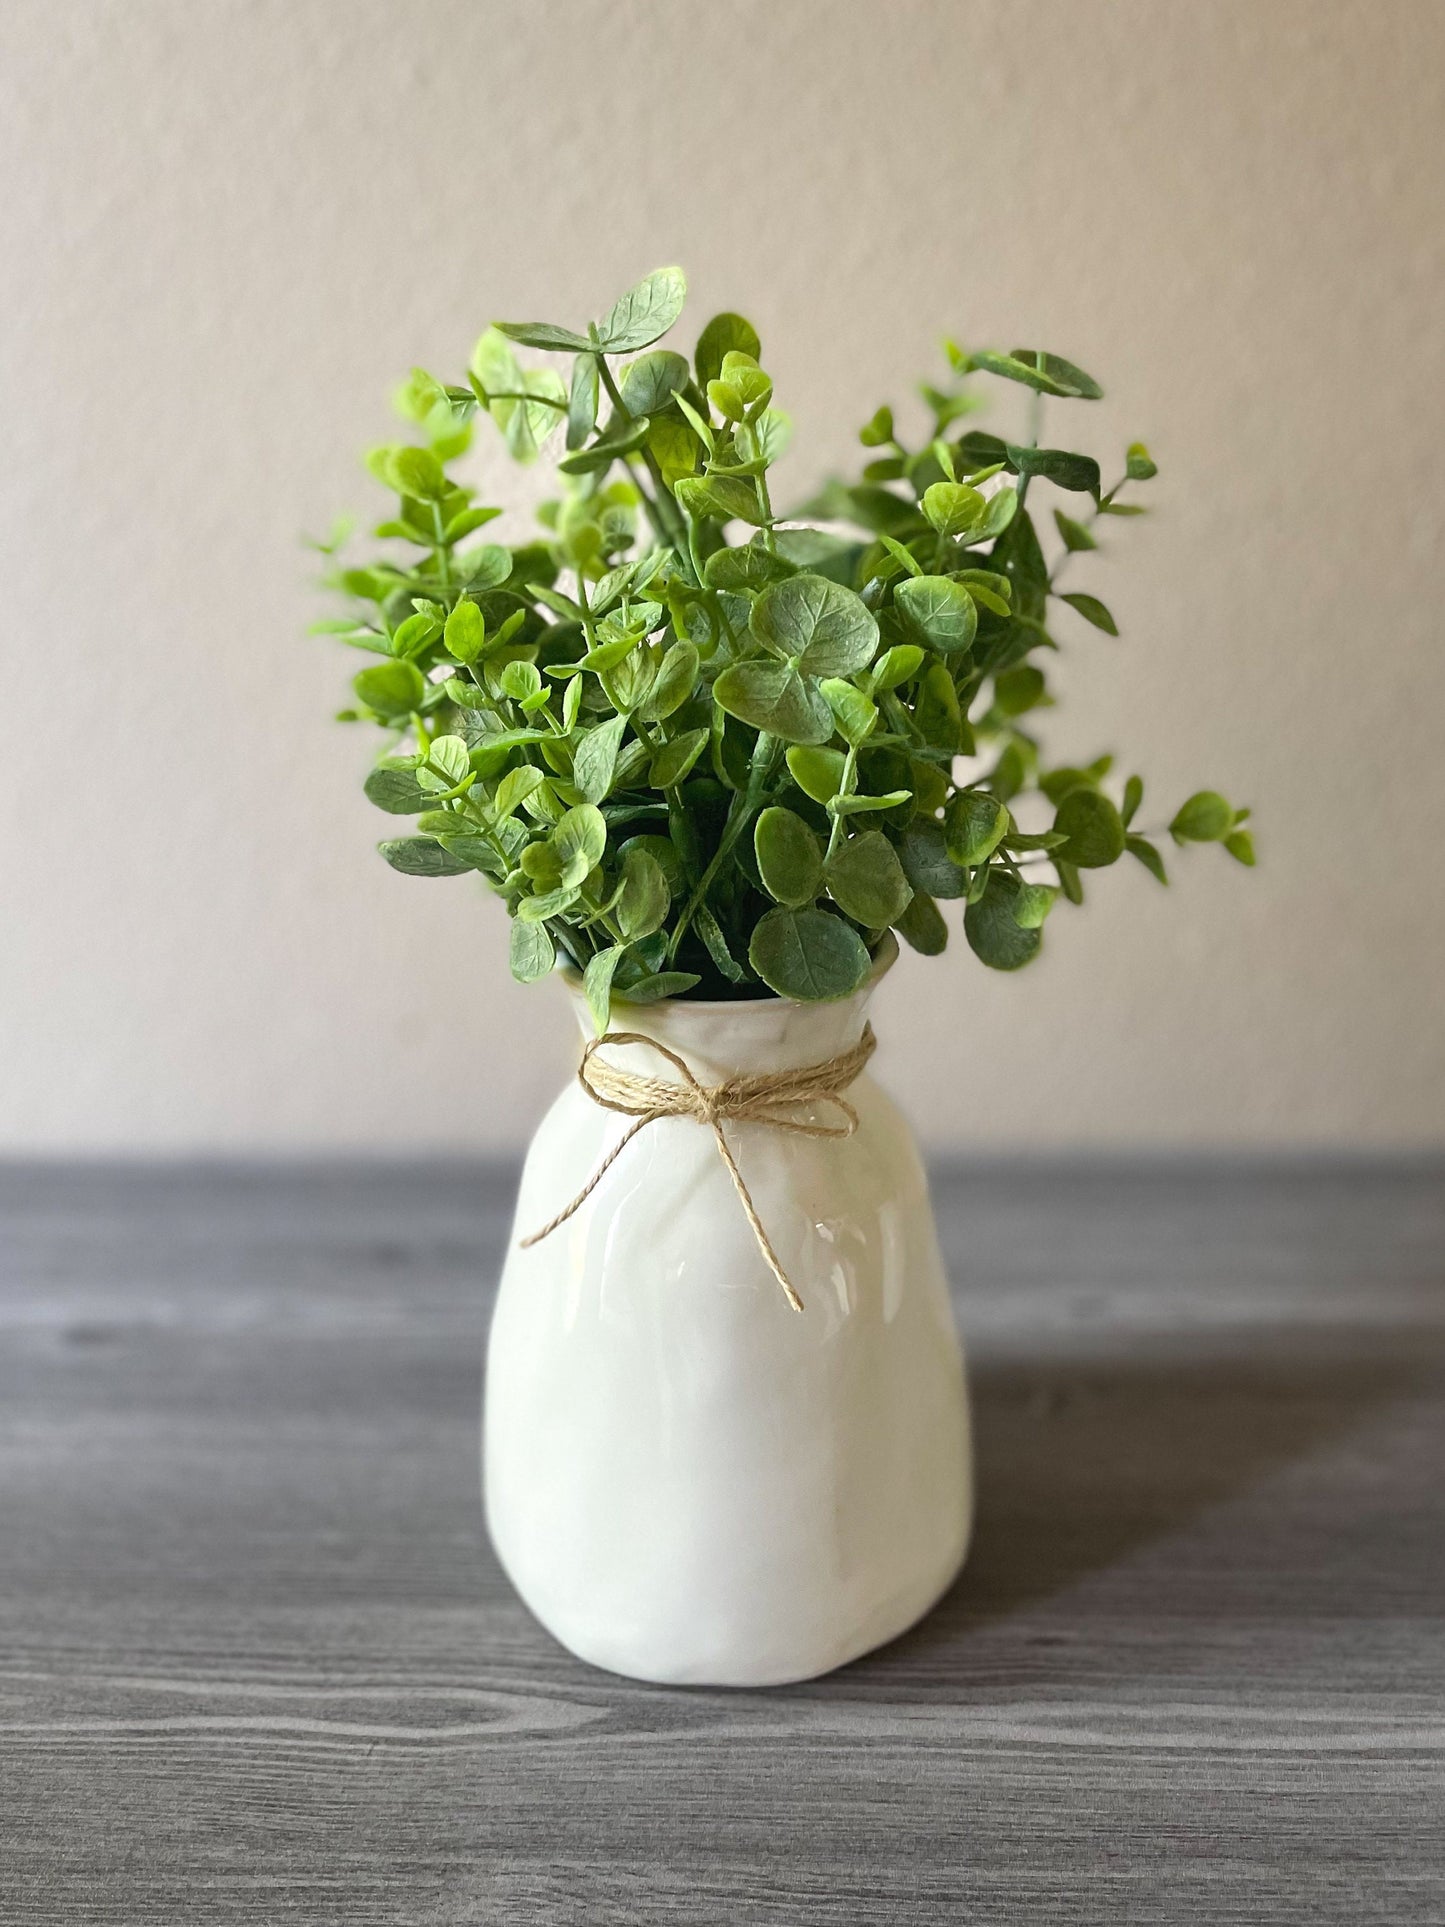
(227, 226)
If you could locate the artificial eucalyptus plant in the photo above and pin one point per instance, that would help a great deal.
(703, 747)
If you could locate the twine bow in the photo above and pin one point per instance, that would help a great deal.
(770, 1098)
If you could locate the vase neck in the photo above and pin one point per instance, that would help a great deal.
(720, 1040)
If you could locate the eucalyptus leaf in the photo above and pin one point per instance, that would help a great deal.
(422, 856)
(393, 787)
(644, 313)
(829, 630)
(772, 696)
(790, 861)
(1093, 828)
(595, 759)
(725, 334)
(808, 955)
(673, 761)
(1092, 610)
(922, 926)
(391, 688)
(1204, 818)
(866, 880)
(994, 933)
(941, 613)
(974, 824)
(533, 952)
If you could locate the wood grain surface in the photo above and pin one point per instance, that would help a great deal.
(257, 1663)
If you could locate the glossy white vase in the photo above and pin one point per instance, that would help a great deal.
(686, 1480)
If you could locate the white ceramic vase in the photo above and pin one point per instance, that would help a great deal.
(687, 1480)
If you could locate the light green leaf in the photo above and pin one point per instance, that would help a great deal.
(894, 668)
(643, 898)
(866, 880)
(1204, 817)
(418, 473)
(774, 697)
(721, 498)
(533, 952)
(597, 984)
(1139, 464)
(1240, 845)
(725, 334)
(1032, 903)
(1049, 374)
(790, 860)
(543, 334)
(644, 313)
(466, 633)
(651, 990)
(855, 713)
(1017, 690)
(745, 570)
(649, 383)
(826, 627)
(817, 772)
(809, 955)
(391, 688)
(953, 507)
(514, 789)
(941, 612)
(676, 679)
(595, 759)
(449, 757)
(673, 761)
(579, 842)
(582, 400)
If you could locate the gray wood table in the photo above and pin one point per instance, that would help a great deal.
(257, 1663)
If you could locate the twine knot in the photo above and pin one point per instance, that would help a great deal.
(764, 1097)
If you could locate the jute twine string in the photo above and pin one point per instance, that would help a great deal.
(764, 1097)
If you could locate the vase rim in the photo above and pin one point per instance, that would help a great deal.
(884, 959)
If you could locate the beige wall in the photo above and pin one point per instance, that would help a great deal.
(227, 226)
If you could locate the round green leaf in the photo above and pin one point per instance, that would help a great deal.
(644, 312)
(774, 697)
(643, 898)
(994, 934)
(940, 612)
(1094, 828)
(809, 955)
(650, 382)
(673, 761)
(391, 688)
(789, 859)
(745, 570)
(725, 334)
(1204, 818)
(866, 880)
(953, 507)
(817, 772)
(828, 629)
(974, 824)
(926, 862)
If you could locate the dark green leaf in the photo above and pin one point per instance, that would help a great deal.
(720, 498)
(393, 787)
(866, 880)
(922, 926)
(808, 955)
(673, 761)
(1056, 465)
(1050, 374)
(974, 824)
(994, 934)
(926, 862)
(725, 334)
(1139, 463)
(1075, 536)
(1140, 847)
(1092, 610)
(650, 382)
(1094, 829)
(422, 856)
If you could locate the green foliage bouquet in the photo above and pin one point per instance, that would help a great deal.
(697, 747)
